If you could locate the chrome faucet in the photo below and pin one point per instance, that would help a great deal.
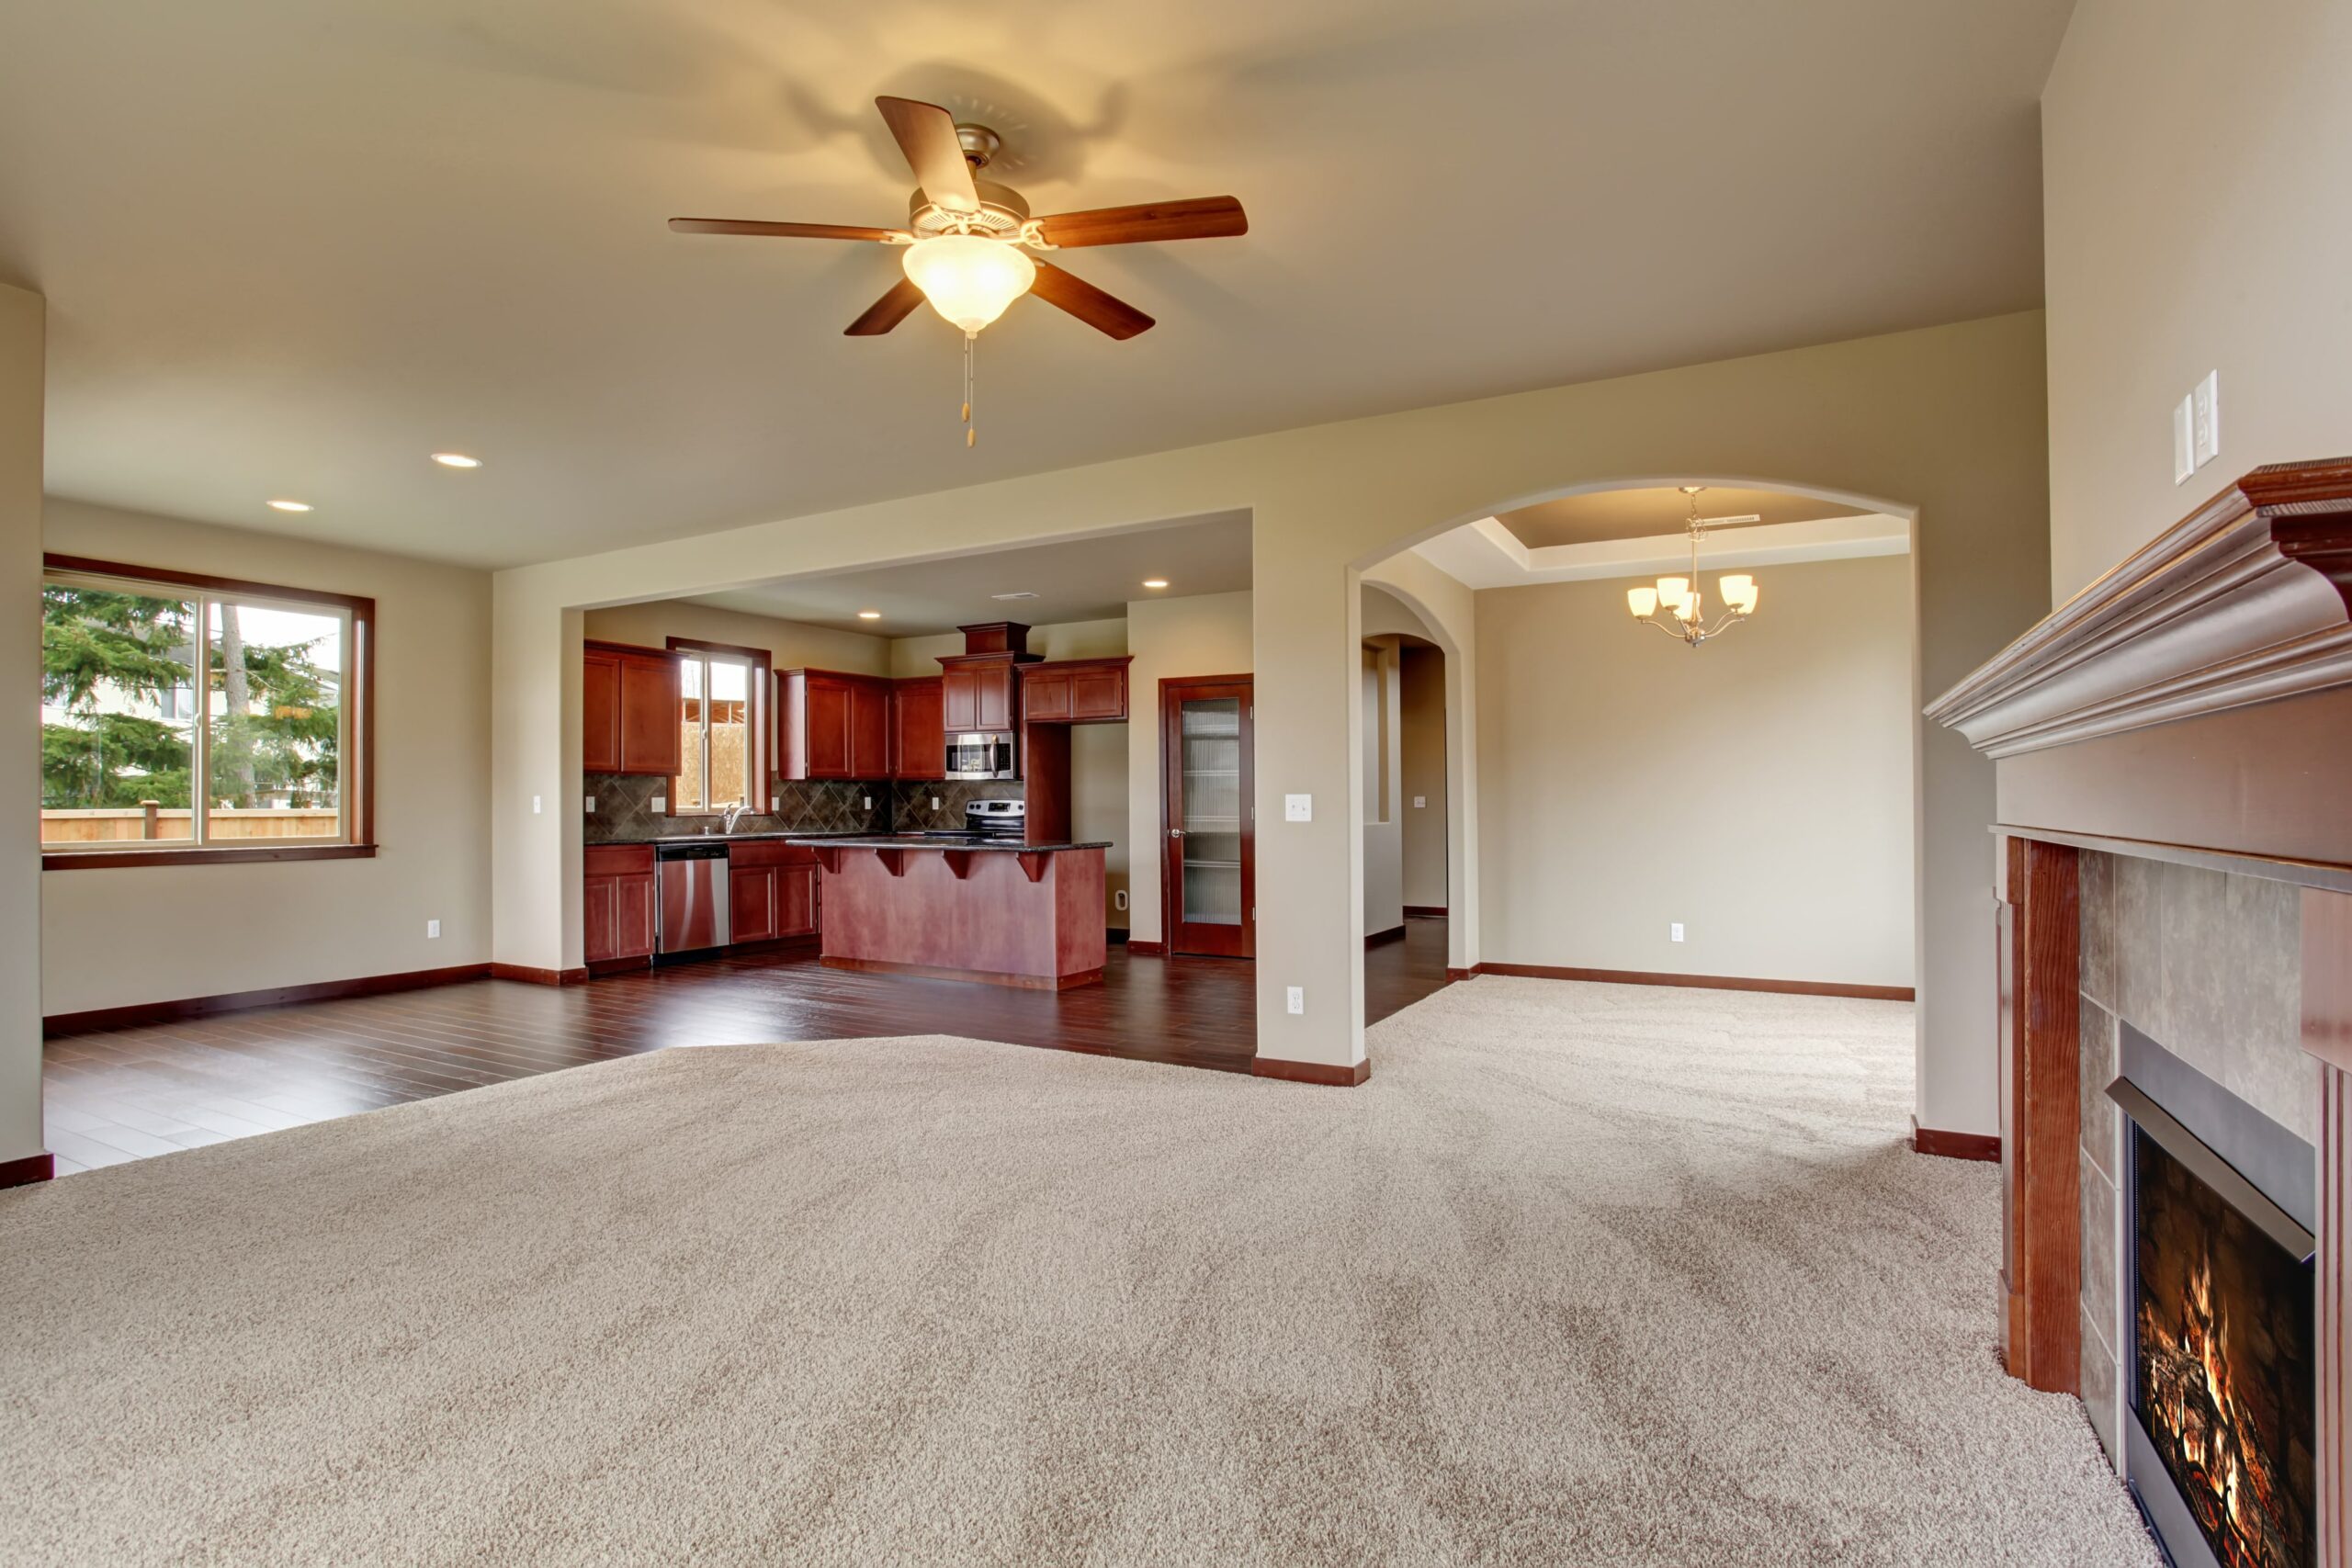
(735, 812)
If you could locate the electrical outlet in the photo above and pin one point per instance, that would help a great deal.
(2205, 405)
(1297, 1000)
(535, 806)
(869, 803)
(661, 804)
(432, 930)
(935, 803)
(590, 806)
(1298, 809)
(1674, 931)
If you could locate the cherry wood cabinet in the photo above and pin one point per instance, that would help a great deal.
(619, 905)
(628, 710)
(1075, 690)
(978, 695)
(771, 892)
(918, 746)
(835, 725)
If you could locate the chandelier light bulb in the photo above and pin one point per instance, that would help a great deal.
(968, 279)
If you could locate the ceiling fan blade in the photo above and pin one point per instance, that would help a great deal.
(1103, 313)
(783, 230)
(1203, 218)
(926, 134)
(888, 312)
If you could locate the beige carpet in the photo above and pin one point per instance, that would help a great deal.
(1587, 1274)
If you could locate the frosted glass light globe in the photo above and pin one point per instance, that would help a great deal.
(969, 279)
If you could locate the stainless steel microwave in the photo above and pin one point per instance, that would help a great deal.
(980, 757)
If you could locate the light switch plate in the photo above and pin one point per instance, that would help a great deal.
(2184, 440)
(1420, 801)
(432, 930)
(1298, 809)
(2205, 415)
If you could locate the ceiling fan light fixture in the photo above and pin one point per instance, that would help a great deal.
(968, 279)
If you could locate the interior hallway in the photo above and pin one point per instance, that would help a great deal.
(127, 1093)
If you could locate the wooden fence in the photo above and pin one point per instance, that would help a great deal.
(134, 825)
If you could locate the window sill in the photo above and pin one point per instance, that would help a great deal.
(94, 859)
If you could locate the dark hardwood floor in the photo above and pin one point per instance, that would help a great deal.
(126, 1093)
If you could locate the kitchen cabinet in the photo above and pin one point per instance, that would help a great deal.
(917, 729)
(628, 710)
(771, 892)
(977, 694)
(1075, 690)
(835, 725)
(619, 903)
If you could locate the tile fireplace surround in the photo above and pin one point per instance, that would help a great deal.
(2173, 755)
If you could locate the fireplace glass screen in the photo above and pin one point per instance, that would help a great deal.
(2223, 1365)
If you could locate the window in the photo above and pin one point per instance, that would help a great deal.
(197, 718)
(722, 712)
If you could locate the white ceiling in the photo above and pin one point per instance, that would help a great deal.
(293, 246)
(1074, 580)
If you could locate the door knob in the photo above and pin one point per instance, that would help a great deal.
(1175, 832)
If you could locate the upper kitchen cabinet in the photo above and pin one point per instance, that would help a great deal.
(1075, 690)
(977, 694)
(628, 710)
(917, 749)
(836, 726)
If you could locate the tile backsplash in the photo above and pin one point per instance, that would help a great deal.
(911, 809)
(625, 811)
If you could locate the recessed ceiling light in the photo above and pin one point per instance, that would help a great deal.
(869, 615)
(455, 460)
(292, 506)
(1155, 583)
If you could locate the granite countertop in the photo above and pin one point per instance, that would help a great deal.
(725, 839)
(922, 841)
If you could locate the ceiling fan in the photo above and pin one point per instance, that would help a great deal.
(967, 241)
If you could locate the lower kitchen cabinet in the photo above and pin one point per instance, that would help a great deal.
(771, 892)
(619, 905)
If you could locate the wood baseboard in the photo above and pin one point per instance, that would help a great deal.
(1425, 911)
(1148, 949)
(531, 976)
(1701, 982)
(985, 976)
(139, 1014)
(1322, 1073)
(1954, 1145)
(1375, 939)
(1452, 973)
(26, 1170)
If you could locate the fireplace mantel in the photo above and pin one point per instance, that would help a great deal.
(2192, 705)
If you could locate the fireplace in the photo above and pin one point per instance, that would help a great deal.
(2222, 1367)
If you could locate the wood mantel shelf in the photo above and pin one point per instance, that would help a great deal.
(2199, 694)
(2247, 600)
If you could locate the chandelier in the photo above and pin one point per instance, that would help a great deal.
(1675, 606)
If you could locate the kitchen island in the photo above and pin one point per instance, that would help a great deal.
(999, 911)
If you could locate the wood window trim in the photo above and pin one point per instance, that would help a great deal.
(360, 780)
(762, 685)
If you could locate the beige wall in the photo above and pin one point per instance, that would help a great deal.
(790, 644)
(1206, 633)
(22, 329)
(2195, 158)
(1421, 713)
(1384, 785)
(1949, 423)
(161, 933)
(1757, 789)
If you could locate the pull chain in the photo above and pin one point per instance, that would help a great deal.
(971, 436)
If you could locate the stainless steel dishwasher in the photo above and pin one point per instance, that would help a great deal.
(692, 883)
